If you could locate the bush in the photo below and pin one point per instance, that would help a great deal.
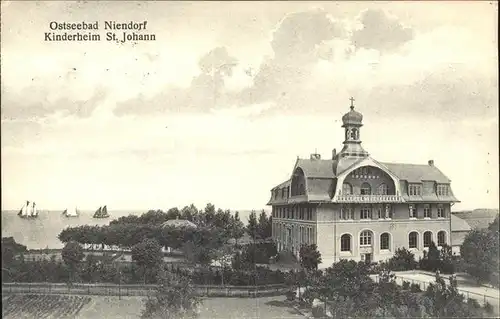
(403, 259)
(290, 295)
(415, 288)
(488, 308)
(406, 285)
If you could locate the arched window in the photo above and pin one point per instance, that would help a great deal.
(354, 134)
(345, 242)
(365, 238)
(382, 189)
(427, 239)
(413, 240)
(442, 238)
(384, 241)
(366, 189)
(346, 189)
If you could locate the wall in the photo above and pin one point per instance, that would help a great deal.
(330, 229)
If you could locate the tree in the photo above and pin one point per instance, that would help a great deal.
(479, 251)
(252, 227)
(72, 254)
(237, 227)
(310, 257)
(263, 226)
(403, 259)
(175, 298)
(147, 254)
(494, 225)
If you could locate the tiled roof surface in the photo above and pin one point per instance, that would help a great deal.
(316, 168)
(417, 172)
(458, 224)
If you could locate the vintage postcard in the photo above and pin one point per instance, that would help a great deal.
(254, 159)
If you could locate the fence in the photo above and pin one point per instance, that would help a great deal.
(140, 290)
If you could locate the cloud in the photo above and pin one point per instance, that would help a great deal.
(445, 95)
(35, 102)
(380, 32)
(297, 43)
(205, 92)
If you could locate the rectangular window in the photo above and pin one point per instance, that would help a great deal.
(380, 211)
(440, 211)
(412, 240)
(412, 211)
(443, 190)
(366, 212)
(346, 212)
(427, 211)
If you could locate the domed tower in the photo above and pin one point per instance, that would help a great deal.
(352, 122)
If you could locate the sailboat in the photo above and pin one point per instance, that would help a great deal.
(102, 212)
(71, 212)
(28, 211)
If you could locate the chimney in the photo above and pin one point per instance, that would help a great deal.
(431, 162)
(315, 156)
(334, 153)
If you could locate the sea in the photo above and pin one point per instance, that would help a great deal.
(42, 232)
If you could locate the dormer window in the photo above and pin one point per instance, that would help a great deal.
(443, 190)
(415, 190)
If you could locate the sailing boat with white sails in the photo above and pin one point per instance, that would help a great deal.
(28, 211)
(71, 212)
(102, 212)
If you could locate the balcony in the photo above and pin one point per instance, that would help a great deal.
(369, 199)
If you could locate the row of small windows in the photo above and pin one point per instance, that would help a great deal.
(365, 172)
(412, 211)
(416, 189)
(366, 189)
(294, 212)
(413, 239)
(365, 239)
(283, 192)
(284, 233)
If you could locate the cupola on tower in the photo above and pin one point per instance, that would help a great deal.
(352, 123)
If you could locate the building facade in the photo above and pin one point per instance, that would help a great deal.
(354, 207)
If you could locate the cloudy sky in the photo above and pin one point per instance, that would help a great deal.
(218, 107)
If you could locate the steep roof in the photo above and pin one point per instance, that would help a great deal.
(316, 168)
(417, 172)
(458, 224)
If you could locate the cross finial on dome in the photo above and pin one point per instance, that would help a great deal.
(352, 103)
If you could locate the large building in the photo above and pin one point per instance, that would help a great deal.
(354, 207)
